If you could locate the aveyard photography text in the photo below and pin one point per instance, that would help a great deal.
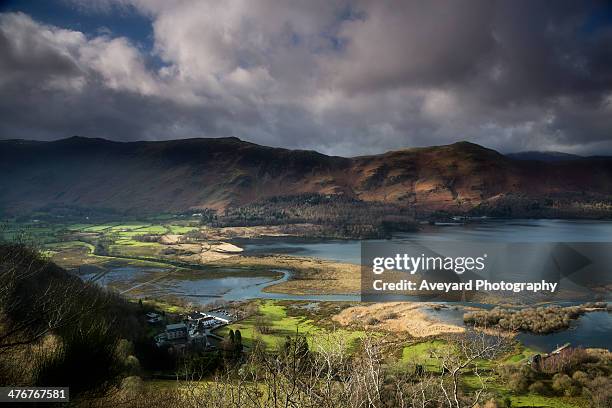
(470, 271)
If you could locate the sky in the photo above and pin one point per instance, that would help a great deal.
(345, 77)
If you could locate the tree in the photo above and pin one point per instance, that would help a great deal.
(230, 345)
(238, 341)
(464, 354)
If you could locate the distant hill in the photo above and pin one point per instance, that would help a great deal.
(544, 156)
(178, 175)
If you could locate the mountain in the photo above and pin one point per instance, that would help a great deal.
(179, 175)
(548, 156)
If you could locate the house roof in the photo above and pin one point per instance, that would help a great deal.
(219, 316)
(176, 326)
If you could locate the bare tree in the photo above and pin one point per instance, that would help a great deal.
(465, 354)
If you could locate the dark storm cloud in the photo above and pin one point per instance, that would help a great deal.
(415, 44)
(346, 77)
(546, 52)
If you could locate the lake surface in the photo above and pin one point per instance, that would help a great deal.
(489, 231)
(200, 290)
(123, 275)
(594, 329)
(348, 251)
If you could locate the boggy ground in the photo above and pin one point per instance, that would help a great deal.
(395, 317)
(307, 275)
(186, 245)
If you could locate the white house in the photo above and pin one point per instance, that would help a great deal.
(222, 317)
(208, 321)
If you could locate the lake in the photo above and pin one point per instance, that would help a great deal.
(199, 287)
(488, 231)
(591, 330)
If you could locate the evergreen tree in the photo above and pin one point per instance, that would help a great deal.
(238, 341)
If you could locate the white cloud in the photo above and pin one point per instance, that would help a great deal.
(119, 64)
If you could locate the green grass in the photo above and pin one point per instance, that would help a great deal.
(158, 304)
(136, 227)
(423, 353)
(127, 240)
(528, 400)
(38, 233)
(129, 226)
(152, 229)
(521, 353)
(98, 228)
(281, 325)
(533, 400)
(66, 245)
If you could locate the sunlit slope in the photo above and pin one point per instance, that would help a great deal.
(149, 177)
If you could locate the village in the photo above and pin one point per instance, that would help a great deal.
(194, 329)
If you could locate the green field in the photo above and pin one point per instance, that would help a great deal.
(280, 325)
(69, 240)
(424, 353)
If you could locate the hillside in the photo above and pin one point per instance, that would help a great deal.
(180, 175)
(57, 329)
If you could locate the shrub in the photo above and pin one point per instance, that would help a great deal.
(566, 360)
(580, 377)
(389, 316)
(132, 365)
(263, 325)
(563, 384)
(600, 392)
(124, 349)
(518, 383)
(371, 321)
(518, 377)
(537, 320)
(539, 388)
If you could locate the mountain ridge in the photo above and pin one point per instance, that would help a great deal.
(185, 174)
